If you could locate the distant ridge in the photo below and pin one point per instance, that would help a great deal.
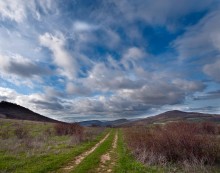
(13, 111)
(175, 115)
(103, 123)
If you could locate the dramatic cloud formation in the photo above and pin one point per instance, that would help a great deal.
(78, 60)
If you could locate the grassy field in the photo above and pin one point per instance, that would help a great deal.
(34, 147)
(45, 147)
(126, 162)
(90, 163)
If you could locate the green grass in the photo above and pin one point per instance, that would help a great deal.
(91, 162)
(126, 162)
(53, 152)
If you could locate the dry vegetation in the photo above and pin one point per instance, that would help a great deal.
(23, 143)
(73, 129)
(27, 136)
(191, 146)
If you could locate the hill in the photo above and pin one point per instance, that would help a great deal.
(13, 111)
(103, 123)
(175, 115)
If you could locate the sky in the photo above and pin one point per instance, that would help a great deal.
(77, 60)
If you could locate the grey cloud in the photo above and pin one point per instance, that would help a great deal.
(78, 89)
(207, 109)
(26, 70)
(213, 70)
(3, 98)
(158, 12)
(20, 66)
(138, 101)
(41, 104)
(161, 92)
(106, 78)
(209, 96)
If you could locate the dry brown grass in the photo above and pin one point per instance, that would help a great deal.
(21, 132)
(70, 129)
(187, 144)
(35, 137)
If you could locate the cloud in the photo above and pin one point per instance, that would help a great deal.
(79, 26)
(162, 92)
(131, 56)
(37, 102)
(14, 10)
(95, 59)
(46, 104)
(20, 10)
(136, 102)
(134, 53)
(209, 96)
(206, 109)
(133, 94)
(22, 72)
(159, 12)
(77, 89)
(20, 66)
(213, 70)
(200, 40)
(104, 78)
(61, 57)
(86, 36)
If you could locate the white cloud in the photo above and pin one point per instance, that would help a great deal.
(14, 10)
(102, 85)
(20, 10)
(134, 53)
(201, 40)
(80, 26)
(132, 56)
(61, 57)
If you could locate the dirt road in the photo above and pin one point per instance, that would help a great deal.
(76, 161)
(108, 160)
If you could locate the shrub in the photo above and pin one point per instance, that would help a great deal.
(21, 132)
(69, 129)
(175, 143)
(209, 128)
(4, 134)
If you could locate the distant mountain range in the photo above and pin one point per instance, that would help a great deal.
(104, 123)
(13, 111)
(175, 115)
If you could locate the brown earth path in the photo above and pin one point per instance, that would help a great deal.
(108, 159)
(77, 160)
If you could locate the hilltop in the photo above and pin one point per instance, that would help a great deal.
(13, 111)
(175, 115)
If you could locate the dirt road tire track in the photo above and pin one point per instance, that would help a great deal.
(77, 160)
(108, 160)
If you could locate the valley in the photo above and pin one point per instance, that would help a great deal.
(168, 142)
